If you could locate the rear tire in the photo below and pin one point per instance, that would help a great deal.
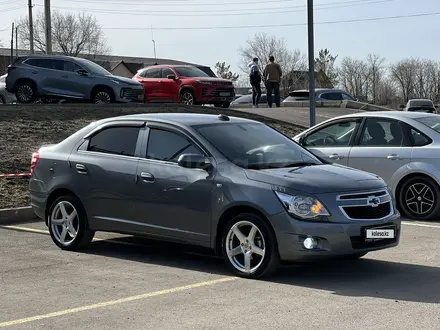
(26, 92)
(68, 223)
(418, 198)
(249, 246)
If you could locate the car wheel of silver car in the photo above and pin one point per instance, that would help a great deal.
(418, 198)
(68, 225)
(25, 93)
(249, 246)
(102, 97)
(186, 97)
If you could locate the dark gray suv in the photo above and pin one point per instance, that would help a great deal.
(73, 78)
(234, 185)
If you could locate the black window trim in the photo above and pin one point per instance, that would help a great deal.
(173, 129)
(363, 126)
(332, 122)
(42, 58)
(84, 143)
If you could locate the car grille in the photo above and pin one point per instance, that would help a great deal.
(368, 212)
(132, 94)
(360, 242)
(366, 206)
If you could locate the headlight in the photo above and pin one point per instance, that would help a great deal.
(116, 81)
(304, 207)
(204, 82)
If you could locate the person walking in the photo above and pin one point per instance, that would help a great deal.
(272, 75)
(255, 80)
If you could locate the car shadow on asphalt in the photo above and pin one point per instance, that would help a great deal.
(362, 278)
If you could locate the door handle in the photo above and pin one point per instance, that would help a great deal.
(147, 177)
(81, 169)
(336, 156)
(394, 157)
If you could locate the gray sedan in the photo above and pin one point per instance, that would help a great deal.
(234, 185)
(401, 147)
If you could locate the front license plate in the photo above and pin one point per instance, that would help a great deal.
(225, 94)
(379, 233)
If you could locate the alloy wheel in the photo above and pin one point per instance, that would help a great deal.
(420, 199)
(24, 93)
(102, 97)
(245, 247)
(64, 222)
(187, 98)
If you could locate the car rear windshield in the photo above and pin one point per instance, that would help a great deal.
(190, 72)
(431, 121)
(255, 145)
(421, 104)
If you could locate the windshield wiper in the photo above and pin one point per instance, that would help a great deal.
(264, 166)
(299, 164)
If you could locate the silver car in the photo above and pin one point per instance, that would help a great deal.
(401, 147)
(5, 97)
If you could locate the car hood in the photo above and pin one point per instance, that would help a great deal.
(318, 179)
(211, 79)
(126, 80)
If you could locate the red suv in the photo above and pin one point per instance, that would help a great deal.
(184, 84)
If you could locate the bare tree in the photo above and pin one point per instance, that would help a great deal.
(72, 34)
(354, 77)
(404, 73)
(262, 46)
(376, 71)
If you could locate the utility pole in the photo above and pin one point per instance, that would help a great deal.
(154, 42)
(16, 41)
(48, 24)
(12, 44)
(312, 100)
(31, 27)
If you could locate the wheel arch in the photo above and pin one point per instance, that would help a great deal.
(183, 88)
(99, 87)
(231, 212)
(409, 176)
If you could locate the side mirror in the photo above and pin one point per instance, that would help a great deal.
(193, 161)
(171, 76)
(82, 72)
(302, 140)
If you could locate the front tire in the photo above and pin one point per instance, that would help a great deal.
(187, 97)
(418, 198)
(68, 223)
(249, 246)
(102, 96)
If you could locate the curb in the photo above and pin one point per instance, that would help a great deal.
(17, 215)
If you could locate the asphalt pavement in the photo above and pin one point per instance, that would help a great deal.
(122, 283)
(299, 116)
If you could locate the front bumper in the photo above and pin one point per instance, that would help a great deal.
(213, 94)
(334, 239)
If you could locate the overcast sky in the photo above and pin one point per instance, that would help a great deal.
(179, 34)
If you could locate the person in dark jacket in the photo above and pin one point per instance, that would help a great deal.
(272, 76)
(255, 80)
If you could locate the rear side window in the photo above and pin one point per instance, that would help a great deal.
(119, 140)
(332, 96)
(168, 146)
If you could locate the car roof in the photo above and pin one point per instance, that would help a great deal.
(65, 57)
(424, 100)
(186, 119)
(394, 114)
(167, 66)
(320, 90)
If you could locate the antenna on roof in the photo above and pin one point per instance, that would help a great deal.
(154, 42)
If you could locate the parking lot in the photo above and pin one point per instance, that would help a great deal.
(125, 283)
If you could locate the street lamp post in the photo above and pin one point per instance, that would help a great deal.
(312, 104)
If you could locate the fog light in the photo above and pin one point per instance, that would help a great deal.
(310, 243)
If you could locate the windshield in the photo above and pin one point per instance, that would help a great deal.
(93, 68)
(255, 145)
(190, 71)
(431, 121)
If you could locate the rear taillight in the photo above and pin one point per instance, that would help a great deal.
(34, 161)
(10, 68)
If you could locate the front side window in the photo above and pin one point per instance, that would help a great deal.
(167, 72)
(332, 96)
(92, 67)
(153, 73)
(168, 146)
(71, 67)
(347, 97)
(333, 135)
(255, 145)
(119, 140)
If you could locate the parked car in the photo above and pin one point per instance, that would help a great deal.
(5, 97)
(234, 185)
(63, 77)
(247, 100)
(321, 94)
(420, 105)
(184, 84)
(401, 147)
